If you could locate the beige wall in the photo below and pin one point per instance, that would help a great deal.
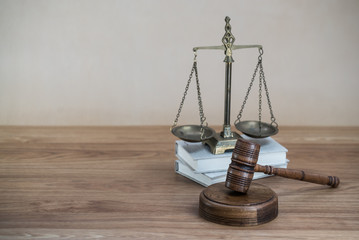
(127, 62)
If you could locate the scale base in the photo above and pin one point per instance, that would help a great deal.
(221, 205)
(219, 144)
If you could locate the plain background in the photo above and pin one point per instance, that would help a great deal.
(127, 62)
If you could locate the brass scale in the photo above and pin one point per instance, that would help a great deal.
(226, 140)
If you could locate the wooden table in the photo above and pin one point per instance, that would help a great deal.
(119, 183)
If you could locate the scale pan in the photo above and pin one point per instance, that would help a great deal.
(256, 129)
(192, 133)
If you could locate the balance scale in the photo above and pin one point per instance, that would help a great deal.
(226, 140)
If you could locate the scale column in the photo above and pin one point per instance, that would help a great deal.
(228, 40)
(226, 140)
(227, 133)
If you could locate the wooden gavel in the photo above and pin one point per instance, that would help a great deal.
(244, 164)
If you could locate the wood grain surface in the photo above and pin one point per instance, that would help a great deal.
(119, 183)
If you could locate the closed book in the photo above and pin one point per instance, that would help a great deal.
(207, 179)
(199, 157)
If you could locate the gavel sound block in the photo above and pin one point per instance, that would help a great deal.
(242, 203)
(222, 205)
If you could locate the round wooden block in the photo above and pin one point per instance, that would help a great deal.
(219, 204)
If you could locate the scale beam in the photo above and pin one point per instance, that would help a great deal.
(234, 47)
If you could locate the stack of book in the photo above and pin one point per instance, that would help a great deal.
(196, 162)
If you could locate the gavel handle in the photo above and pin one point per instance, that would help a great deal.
(332, 181)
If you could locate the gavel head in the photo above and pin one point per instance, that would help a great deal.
(241, 169)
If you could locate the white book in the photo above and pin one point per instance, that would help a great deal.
(199, 157)
(213, 175)
(207, 179)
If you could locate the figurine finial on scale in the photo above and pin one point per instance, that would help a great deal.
(228, 40)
